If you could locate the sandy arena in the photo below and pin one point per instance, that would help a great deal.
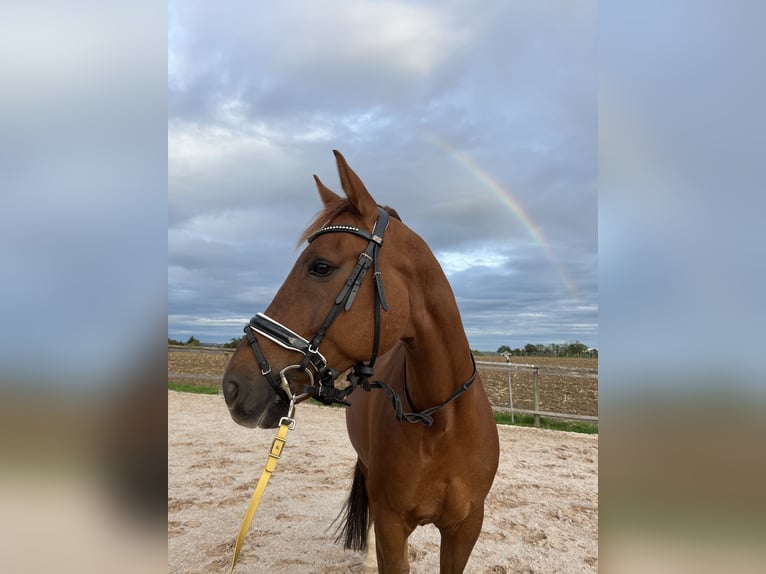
(541, 515)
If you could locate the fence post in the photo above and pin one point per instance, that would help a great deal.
(536, 420)
(510, 390)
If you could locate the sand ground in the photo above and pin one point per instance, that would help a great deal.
(541, 515)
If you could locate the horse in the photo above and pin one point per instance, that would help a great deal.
(425, 437)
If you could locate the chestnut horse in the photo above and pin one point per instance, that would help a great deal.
(425, 435)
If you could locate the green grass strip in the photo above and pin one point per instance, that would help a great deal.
(547, 423)
(199, 389)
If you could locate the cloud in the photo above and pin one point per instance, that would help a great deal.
(456, 261)
(259, 95)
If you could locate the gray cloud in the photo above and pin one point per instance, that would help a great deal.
(457, 116)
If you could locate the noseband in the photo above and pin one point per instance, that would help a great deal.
(322, 387)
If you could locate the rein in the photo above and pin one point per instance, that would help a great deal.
(322, 387)
(285, 424)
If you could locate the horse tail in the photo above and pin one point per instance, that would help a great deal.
(355, 515)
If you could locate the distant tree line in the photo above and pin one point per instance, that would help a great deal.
(194, 342)
(575, 349)
(190, 342)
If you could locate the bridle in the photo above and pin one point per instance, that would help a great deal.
(322, 386)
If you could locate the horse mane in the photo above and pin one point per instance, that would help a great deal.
(333, 210)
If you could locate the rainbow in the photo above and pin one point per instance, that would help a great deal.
(507, 199)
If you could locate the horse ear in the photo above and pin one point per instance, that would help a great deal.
(357, 194)
(327, 195)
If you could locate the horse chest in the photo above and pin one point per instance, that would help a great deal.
(428, 498)
(424, 482)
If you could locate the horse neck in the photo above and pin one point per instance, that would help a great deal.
(438, 354)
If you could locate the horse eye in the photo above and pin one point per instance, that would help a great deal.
(321, 269)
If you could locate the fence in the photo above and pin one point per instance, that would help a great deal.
(536, 381)
(554, 381)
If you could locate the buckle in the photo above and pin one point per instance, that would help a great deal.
(289, 421)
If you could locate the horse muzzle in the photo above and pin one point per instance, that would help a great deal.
(256, 404)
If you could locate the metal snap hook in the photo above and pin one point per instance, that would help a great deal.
(289, 420)
(286, 384)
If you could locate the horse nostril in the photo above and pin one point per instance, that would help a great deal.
(230, 389)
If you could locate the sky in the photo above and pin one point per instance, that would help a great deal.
(477, 122)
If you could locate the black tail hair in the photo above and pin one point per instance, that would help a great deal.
(355, 515)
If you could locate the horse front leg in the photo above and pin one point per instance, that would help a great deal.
(458, 542)
(391, 534)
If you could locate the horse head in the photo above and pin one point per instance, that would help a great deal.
(331, 313)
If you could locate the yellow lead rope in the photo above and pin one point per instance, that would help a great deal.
(271, 463)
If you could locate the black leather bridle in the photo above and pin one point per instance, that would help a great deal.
(322, 387)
